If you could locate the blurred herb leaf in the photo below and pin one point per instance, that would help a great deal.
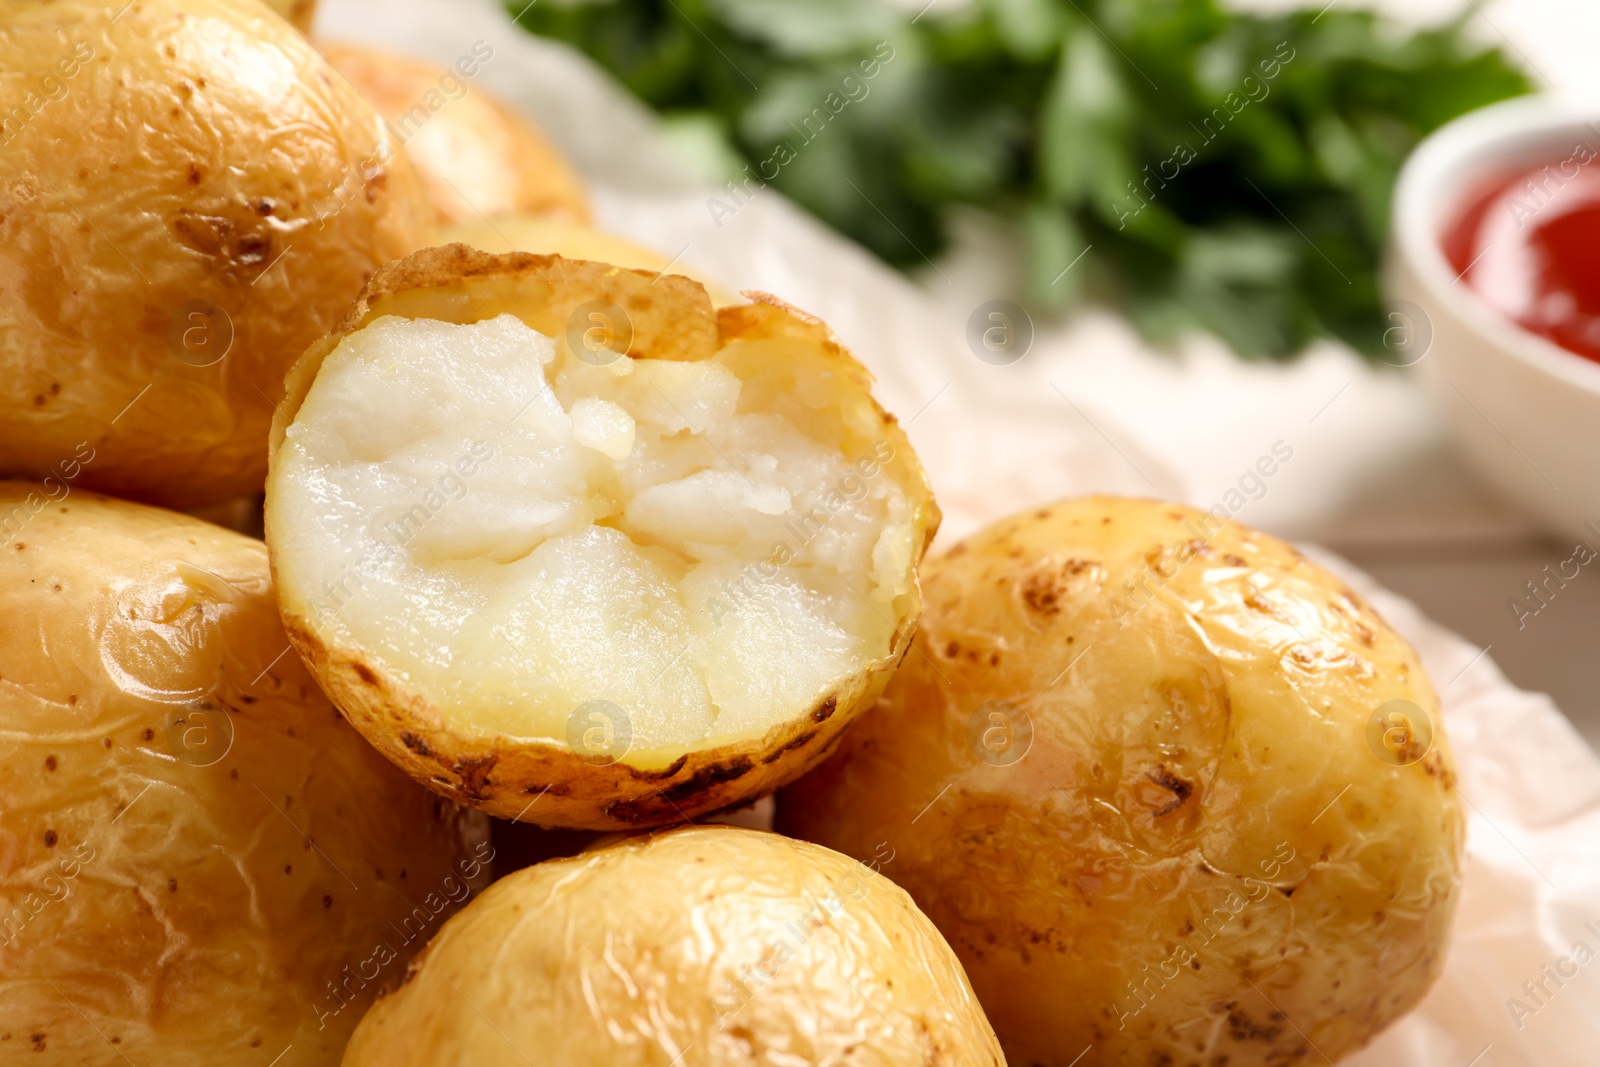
(1227, 171)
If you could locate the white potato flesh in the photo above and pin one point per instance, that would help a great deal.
(513, 532)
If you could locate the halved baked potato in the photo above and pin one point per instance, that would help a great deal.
(708, 945)
(477, 156)
(203, 863)
(567, 543)
(189, 196)
(1173, 792)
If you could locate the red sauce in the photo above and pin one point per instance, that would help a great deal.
(1529, 246)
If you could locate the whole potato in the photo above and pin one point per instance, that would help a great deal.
(189, 196)
(706, 945)
(478, 158)
(602, 587)
(200, 862)
(1143, 770)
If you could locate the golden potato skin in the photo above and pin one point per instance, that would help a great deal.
(299, 12)
(196, 846)
(703, 945)
(574, 239)
(1200, 859)
(672, 318)
(165, 172)
(478, 158)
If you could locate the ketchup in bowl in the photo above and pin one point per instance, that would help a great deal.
(1529, 246)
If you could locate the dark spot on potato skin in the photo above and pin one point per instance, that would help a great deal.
(50, 839)
(668, 771)
(706, 777)
(1180, 789)
(799, 741)
(1243, 1028)
(415, 743)
(474, 775)
(1041, 594)
(825, 710)
(365, 674)
(649, 808)
(50, 763)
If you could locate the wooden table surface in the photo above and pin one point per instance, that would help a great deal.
(1438, 536)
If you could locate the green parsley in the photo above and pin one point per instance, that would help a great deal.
(1194, 166)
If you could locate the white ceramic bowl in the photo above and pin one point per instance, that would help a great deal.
(1525, 411)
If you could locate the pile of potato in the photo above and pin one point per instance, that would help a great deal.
(555, 546)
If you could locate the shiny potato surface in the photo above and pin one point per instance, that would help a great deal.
(1143, 770)
(203, 863)
(478, 158)
(706, 945)
(596, 589)
(189, 196)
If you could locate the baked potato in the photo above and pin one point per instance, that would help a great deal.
(703, 945)
(202, 863)
(478, 158)
(574, 239)
(569, 544)
(1131, 772)
(189, 196)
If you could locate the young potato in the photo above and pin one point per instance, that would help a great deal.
(1143, 771)
(593, 589)
(203, 863)
(705, 945)
(562, 236)
(478, 158)
(189, 196)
